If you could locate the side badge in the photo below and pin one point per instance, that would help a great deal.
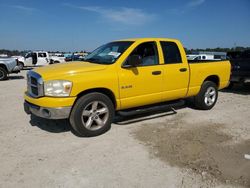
(127, 87)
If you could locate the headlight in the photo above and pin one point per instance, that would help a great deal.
(57, 88)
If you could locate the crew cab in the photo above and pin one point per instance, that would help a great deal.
(8, 66)
(34, 58)
(120, 77)
(38, 58)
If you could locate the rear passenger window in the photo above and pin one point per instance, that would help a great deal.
(171, 52)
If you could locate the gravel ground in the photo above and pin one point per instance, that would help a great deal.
(190, 148)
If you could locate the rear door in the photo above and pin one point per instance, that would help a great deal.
(176, 72)
(42, 58)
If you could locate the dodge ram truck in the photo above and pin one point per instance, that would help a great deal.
(121, 77)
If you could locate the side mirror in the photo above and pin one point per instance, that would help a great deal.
(133, 61)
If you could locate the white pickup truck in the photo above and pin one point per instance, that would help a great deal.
(37, 58)
(8, 66)
(197, 57)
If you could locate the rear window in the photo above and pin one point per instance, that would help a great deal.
(171, 52)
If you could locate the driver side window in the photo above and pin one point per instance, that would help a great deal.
(148, 53)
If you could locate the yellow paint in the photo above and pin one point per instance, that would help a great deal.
(51, 102)
(133, 87)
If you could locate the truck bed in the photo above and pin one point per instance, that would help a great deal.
(198, 73)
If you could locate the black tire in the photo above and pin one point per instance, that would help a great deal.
(3, 74)
(56, 62)
(20, 65)
(85, 113)
(207, 97)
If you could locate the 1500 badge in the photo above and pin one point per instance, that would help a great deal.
(127, 87)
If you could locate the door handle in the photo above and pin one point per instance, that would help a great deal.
(156, 72)
(183, 69)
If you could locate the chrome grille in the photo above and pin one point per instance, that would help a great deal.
(34, 84)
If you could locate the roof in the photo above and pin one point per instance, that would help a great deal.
(146, 39)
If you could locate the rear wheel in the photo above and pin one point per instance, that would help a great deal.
(3, 73)
(92, 114)
(207, 96)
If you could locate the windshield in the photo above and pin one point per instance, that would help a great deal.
(27, 55)
(108, 53)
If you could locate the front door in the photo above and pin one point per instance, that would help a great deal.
(28, 59)
(141, 85)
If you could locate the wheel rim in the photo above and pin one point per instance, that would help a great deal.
(210, 96)
(95, 115)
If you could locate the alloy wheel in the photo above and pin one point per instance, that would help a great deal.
(95, 115)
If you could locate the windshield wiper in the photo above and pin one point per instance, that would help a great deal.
(92, 60)
(96, 61)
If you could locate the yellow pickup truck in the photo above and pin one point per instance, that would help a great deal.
(121, 77)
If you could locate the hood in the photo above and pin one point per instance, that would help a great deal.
(59, 71)
(10, 63)
(8, 60)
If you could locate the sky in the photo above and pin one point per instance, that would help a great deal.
(74, 25)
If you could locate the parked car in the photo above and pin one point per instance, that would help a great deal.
(35, 58)
(125, 77)
(57, 59)
(38, 58)
(240, 62)
(202, 57)
(8, 66)
(74, 57)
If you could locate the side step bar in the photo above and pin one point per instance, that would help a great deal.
(151, 108)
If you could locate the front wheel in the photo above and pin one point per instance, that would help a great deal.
(92, 114)
(3, 74)
(207, 97)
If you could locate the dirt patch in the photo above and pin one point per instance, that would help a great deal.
(202, 147)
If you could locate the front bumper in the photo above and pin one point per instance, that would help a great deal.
(47, 112)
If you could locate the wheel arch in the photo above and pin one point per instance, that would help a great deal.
(21, 62)
(104, 91)
(213, 78)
